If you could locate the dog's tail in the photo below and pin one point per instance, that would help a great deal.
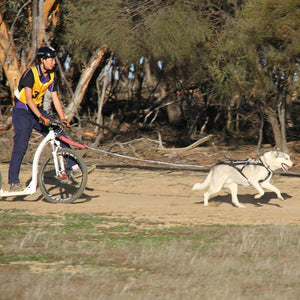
(204, 184)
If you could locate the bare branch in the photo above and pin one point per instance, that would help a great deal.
(12, 27)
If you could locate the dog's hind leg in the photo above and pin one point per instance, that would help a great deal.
(233, 187)
(213, 189)
(206, 197)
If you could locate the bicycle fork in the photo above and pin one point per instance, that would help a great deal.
(59, 164)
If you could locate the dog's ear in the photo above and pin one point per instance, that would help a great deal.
(276, 152)
(272, 153)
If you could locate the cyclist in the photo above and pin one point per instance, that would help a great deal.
(28, 113)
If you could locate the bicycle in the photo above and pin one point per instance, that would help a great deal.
(54, 177)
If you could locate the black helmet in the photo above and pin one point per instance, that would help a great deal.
(45, 52)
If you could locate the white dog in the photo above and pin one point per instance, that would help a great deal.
(256, 173)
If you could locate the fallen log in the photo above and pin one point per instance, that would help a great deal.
(192, 146)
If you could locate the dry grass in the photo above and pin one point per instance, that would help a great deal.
(109, 257)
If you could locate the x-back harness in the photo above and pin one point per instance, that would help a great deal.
(237, 163)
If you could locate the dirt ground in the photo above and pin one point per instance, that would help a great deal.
(160, 193)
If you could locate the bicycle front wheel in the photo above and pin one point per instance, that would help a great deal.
(58, 183)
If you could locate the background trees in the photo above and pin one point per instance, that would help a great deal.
(197, 66)
(24, 26)
(262, 55)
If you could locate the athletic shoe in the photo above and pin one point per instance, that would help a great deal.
(63, 178)
(16, 187)
(77, 173)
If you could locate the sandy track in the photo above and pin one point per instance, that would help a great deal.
(166, 197)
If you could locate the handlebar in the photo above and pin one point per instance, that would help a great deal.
(63, 138)
(56, 124)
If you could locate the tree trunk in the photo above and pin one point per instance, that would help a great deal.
(281, 114)
(260, 133)
(280, 142)
(175, 114)
(289, 110)
(47, 103)
(8, 57)
(84, 81)
(45, 8)
(101, 99)
(35, 30)
(148, 76)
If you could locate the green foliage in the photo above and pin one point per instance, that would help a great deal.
(274, 25)
(253, 46)
(91, 24)
(176, 34)
(167, 31)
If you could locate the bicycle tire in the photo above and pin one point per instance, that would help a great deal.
(57, 190)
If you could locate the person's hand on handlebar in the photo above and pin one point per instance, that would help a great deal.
(45, 121)
(65, 123)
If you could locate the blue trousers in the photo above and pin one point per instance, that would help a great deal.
(24, 122)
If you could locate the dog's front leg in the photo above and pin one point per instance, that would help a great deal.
(269, 186)
(259, 189)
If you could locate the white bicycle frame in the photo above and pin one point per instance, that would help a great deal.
(32, 187)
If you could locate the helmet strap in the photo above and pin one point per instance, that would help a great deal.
(43, 67)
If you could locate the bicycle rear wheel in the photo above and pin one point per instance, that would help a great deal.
(62, 188)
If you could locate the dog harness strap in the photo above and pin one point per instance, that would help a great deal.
(234, 164)
(268, 169)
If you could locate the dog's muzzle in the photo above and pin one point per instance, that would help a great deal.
(285, 167)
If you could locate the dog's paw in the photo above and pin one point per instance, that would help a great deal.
(257, 196)
(196, 187)
(281, 198)
(239, 205)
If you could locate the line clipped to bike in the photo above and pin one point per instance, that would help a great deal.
(147, 160)
(86, 147)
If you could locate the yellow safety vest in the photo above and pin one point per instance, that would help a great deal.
(38, 90)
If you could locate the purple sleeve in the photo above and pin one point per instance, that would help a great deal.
(52, 87)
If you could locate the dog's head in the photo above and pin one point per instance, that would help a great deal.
(277, 159)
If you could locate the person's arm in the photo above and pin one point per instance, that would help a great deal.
(57, 105)
(30, 103)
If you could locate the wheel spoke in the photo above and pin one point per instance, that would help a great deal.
(62, 187)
